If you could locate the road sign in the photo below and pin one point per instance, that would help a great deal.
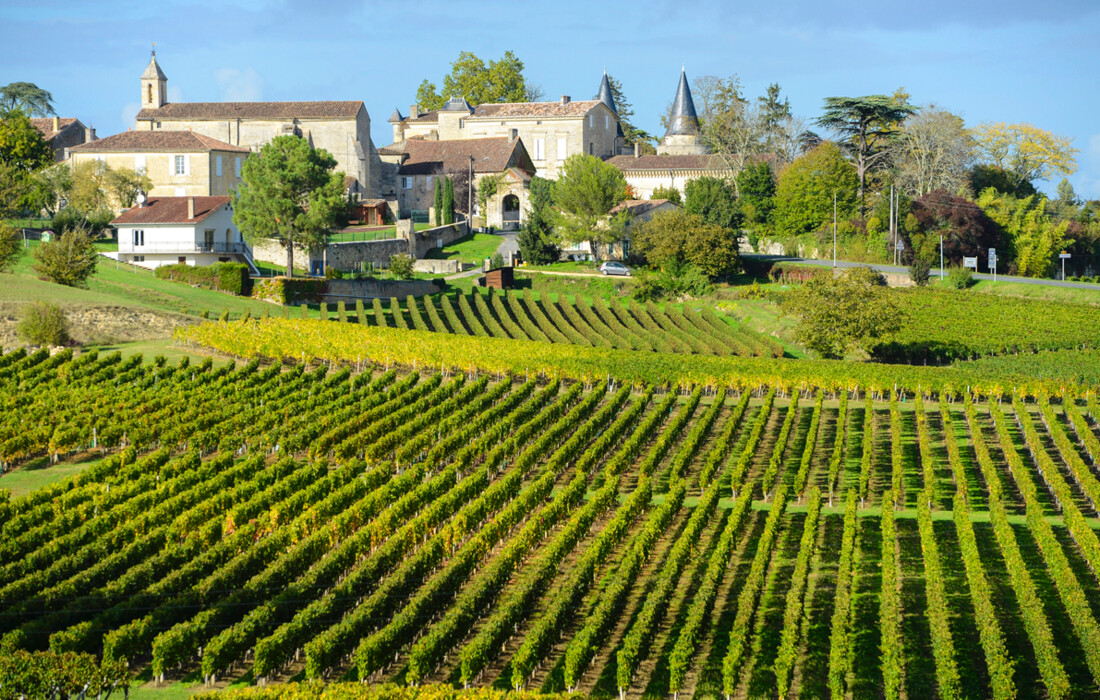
(900, 245)
(971, 263)
(1064, 256)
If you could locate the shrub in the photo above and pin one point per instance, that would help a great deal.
(222, 277)
(341, 312)
(867, 276)
(959, 278)
(224, 317)
(69, 260)
(497, 261)
(401, 265)
(43, 323)
(919, 272)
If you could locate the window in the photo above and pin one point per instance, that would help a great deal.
(180, 165)
(139, 238)
(591, 120)
(606, 121)
(137, 258)
(139, 164)
(591, 148)
(561, 148)
(428, 181)
(406, 183)
(208, 238)
(540, 149)
(218, 166)
(238, 166)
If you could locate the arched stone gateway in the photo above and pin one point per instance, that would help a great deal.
(510, 210)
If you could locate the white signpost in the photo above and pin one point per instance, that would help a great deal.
(972, 263)
(993, 262)
(1064, 256)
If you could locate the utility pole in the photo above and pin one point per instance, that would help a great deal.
(834, 229)
(941, 257)
(893, 233)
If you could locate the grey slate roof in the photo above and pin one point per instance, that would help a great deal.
(606, 96)
(684, 121)
(396, 117)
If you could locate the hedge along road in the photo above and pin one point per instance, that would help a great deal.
(905, 271)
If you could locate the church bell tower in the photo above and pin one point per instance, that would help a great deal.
(154, 85)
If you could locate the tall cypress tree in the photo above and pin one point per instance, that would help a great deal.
(438, 203)
(449, 202)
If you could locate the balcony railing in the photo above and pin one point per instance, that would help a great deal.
(186, 247)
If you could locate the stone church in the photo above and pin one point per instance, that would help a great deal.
(341, 128)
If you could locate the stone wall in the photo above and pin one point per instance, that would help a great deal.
(438, 267)
(350, 290)
(436, 238)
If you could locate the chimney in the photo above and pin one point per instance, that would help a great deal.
(637, 149)
(57, 123)
(89, 134)
(190, 207)
(565, 99)
(414, 111)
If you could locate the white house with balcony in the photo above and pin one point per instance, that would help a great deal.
(181, 230)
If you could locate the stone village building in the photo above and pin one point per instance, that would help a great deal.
(550, 131)
(63, 133)
(179, 163)
(340, 127)
(421, 163)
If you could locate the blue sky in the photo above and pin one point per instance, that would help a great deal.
(987, 61)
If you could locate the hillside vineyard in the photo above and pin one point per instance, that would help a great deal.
(545, 534)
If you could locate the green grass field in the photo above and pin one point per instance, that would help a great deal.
(471, 249)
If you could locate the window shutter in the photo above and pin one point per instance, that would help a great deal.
(218, 166)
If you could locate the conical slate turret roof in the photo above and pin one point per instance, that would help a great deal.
(683, 121)
(396, 116)
(153, 71)
(606, 96)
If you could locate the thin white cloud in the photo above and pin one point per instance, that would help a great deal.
(238, 85)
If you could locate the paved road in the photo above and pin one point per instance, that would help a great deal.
(935, 272)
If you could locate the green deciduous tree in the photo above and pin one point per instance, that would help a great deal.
(21, 145)
(1066, 194)
(932, 151)
(804, 195)
(289, 193)
(864, 125)
(27, 97)
(11, 247)
(670, 193)
(478, 83)
(587, 189)
(756, 183)
(535, 239)
(713, 200)
(841, 314)
(70, 259)
(680, 238)
(1025, 151)
(1033, 237)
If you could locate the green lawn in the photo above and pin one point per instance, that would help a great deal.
(468, 249)
(1038, 291)
(38, 473)
(119, 284)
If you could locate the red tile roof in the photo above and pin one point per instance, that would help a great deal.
(253, 110)
(45, 126)
(144, 141)
(491, 155)
(535, 109)
(171, 210)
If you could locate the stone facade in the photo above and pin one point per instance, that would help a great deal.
(644, 174)
(62, 134)
(180, 164)
(551, 131)
(341, 128)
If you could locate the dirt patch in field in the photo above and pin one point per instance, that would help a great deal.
(99, 325)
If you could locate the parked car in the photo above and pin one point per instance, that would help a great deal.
(614, 268)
